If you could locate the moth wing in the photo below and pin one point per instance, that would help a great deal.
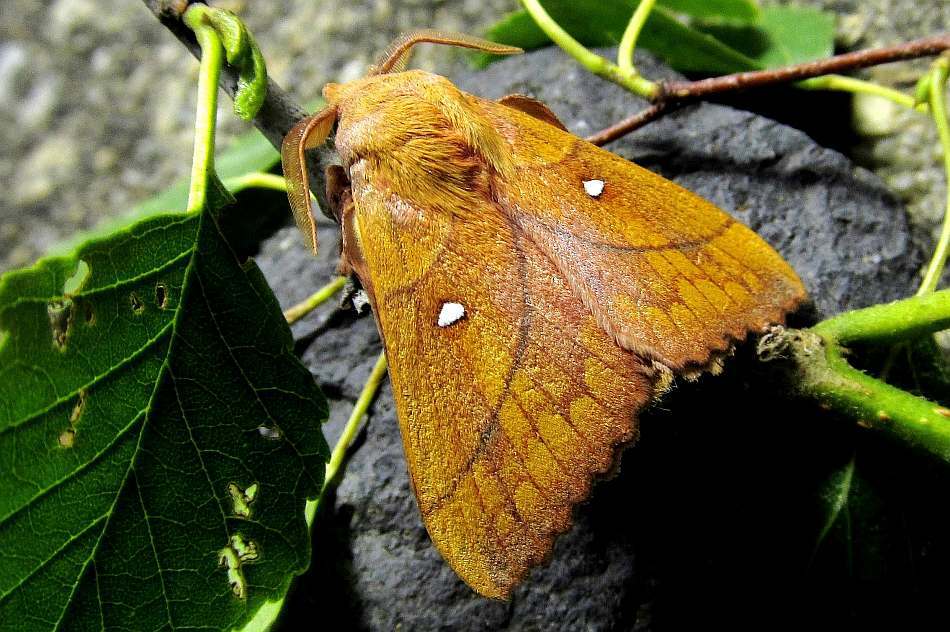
(532, 107)
(510, 397)
(668, 274)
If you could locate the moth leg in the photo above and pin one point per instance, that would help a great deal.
(341, 203)
(338, 188)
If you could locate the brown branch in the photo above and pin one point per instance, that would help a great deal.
(691, 90)
(677, 93)
(627, 125)
(278, 113)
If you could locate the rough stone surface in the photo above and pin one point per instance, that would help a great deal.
(899, 145)
(708, 508)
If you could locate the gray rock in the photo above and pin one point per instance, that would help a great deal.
(898, 145)
(713, 508)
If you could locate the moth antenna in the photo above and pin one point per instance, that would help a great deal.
(397, 55)
(308, 133)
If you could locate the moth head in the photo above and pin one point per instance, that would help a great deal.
(312, 131)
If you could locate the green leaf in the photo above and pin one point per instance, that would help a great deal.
(740, 11)
(158, 437)
(595, 23)
(688, 49)
(244, 54)
(834, 497)
(783, 36)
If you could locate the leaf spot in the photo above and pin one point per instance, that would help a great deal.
(451, 313)
(232, 557)
(67, 438)
(594, 187)
(241, 499)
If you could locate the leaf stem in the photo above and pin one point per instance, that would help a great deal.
(594, 63)
(212, 55)
(841, 83)
(256, 180)
(891, 322)
(628, 42)
(825, 376)
(298, 311)
(349, 432)
(938, 109)
(880, 406)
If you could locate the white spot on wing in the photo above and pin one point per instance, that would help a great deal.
(594, 187)
(451, 313)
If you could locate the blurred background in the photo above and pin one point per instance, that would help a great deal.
(96, 99)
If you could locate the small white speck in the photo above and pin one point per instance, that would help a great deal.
(360, 301)
(451, 313)
(594, 187)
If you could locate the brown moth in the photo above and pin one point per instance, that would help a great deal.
(532, 292)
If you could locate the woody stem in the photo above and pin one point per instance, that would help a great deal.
(677, 93)
(926, 47)
(279, 112)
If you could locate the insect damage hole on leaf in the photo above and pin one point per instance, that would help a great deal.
(269, 432)
(241, 499)
(161, 295)
(75, 282)
(137, 305)
(88, 312)
(233, 557)
(60, 314)
(67, 438)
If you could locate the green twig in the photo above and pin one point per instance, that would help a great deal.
(591, 61)
(892, 322)
(256, 180)
(880, 406)
(841, 83)
(298, 311)
(628, 42)
(349, 432)
(823, 375)
(938, 109)
(212, 54)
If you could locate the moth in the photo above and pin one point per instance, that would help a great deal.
(533, 293)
